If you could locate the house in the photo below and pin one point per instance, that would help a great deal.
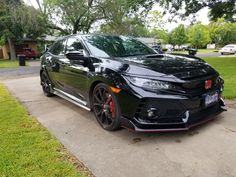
(25, 43)
(148, 40)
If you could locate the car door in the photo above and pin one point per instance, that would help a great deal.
(75, 73)
(55, 61)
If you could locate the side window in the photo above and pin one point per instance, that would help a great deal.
(74, 44)
(58, 48)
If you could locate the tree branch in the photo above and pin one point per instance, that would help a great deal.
(52, 26)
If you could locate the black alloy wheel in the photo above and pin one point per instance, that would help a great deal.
(105, 107)
(46, 84)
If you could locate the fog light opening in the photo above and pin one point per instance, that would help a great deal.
(152, 113)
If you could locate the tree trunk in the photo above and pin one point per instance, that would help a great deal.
(75, 29)
(12, 49)
(40, 8)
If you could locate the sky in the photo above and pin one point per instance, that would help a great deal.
(201, 16)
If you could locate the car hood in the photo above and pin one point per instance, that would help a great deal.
(164, 65)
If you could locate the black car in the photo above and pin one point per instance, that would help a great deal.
(127, 84)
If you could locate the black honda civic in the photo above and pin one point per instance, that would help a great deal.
(128, 84)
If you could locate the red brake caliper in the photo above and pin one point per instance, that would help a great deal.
(111, 104)
(112, 108)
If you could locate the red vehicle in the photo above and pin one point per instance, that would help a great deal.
(28, 52)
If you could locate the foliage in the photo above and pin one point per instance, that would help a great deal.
(160, 34)
(179, 35)
(18, 20)
(74, 16)
(218, 8)
(198, 35)
(8, 27)
(125, 17)
(32, 21)
(222, 32)
(126, 26)
(154, 20)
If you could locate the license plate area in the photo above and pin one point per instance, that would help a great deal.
(211, 98)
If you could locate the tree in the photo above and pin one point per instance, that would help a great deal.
(179, 35)
(8, 29)
(160, 34)
(154, 20)
(126, 26)
(198, 35)
(125, 17)
(18, 20)
(218, 8)
(74, 16)
(222, 32)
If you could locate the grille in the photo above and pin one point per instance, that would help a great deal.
(168, 111)
(197, 115)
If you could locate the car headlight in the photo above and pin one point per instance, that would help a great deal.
(150, 84)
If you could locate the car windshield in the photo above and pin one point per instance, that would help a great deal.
(116, 46)
(229, 46)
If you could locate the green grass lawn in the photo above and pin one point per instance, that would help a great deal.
(207, 50)
(226, 66)
(27, 149)
(8, 63)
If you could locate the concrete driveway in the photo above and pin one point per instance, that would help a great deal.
(205, 151)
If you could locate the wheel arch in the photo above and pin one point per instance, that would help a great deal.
(92, 86)
(95, 82)
(40, 72)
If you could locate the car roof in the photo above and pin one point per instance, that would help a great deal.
(231, 45)
(92, 34)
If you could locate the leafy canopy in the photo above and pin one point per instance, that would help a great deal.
(199, 35)
(218, 8)
(179, 35)
(18, 20)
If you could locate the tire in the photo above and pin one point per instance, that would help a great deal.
(46, 84)
(105, 107)
(222, 53)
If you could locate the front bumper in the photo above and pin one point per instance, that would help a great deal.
(188, 113)
(227, 51)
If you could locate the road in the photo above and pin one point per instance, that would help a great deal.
(210, 54)
(22, 71)
(205, 151)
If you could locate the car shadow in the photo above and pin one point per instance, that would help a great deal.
(137, 138)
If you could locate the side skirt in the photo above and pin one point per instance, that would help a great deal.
(71, 99)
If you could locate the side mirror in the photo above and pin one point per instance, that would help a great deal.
(76, 57)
